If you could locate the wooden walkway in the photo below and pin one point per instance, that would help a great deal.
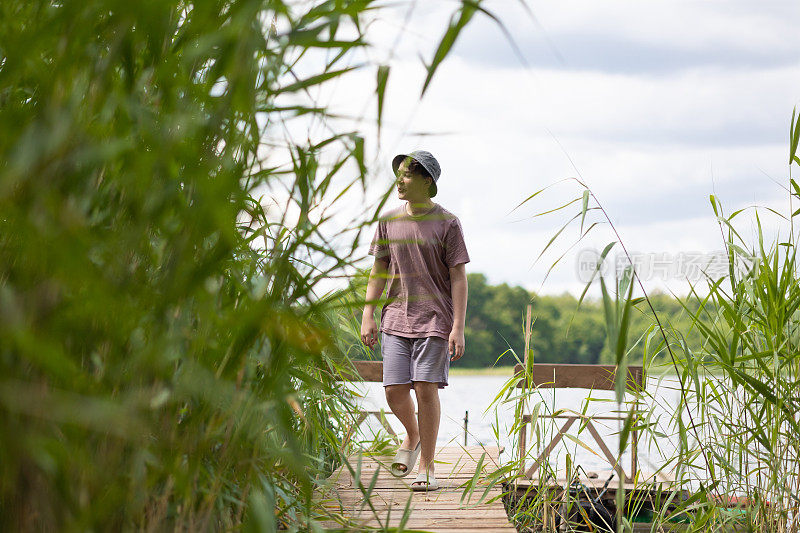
(445, 510)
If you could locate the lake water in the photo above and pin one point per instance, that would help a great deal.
(473, 395)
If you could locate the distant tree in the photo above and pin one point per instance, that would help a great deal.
(562, 331)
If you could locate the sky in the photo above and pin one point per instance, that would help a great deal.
(653, 105)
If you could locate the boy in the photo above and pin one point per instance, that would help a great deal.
(420, 249)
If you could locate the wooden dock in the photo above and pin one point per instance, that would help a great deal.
(448, 509)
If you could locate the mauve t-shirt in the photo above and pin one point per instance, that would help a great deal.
(421, 249)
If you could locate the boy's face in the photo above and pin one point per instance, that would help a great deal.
(411, 187)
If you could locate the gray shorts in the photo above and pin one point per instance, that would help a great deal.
(407, 360)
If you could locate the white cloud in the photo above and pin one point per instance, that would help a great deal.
(653, 36)
(652, 144)
(681, 23)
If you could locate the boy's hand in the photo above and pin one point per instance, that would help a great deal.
(369, 331)
(455, 345)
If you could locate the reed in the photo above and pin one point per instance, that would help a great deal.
(166, 360)
(737, 458)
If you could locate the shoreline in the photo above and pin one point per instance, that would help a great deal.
(508, 371)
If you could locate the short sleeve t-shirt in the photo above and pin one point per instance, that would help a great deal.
(420, 249)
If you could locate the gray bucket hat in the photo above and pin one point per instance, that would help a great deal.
(427, 161)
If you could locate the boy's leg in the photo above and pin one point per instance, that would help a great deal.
(401, 404)
(397, 385)
(429, 414)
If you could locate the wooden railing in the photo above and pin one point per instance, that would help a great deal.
(593, 377)
(369, 371)
(568, 376)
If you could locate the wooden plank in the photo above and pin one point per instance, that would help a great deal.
(451, 456)
(400, 503)
(474, 528)
(441, 470)
(464, 470)
(440, 510)
(433, 507)
(430, 511)
(398, 485)
(492, 528)
(367, 474)
(565, 376)
(543, 456)
(399, 500)
(345, 479)
(405, 483)
(444, 498)
(422, 522)
(442, 467)
(454, 479)
(365, 371)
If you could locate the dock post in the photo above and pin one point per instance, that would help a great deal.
(528, 333)
(466, 420)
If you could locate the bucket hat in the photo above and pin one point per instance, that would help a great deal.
(427, 161)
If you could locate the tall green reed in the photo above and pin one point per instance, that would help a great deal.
(741, 380)
(166, 360)
(744, 378)
(737, 456)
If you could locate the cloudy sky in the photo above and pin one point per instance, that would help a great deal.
(654, 105)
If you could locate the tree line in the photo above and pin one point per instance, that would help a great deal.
(562, 330)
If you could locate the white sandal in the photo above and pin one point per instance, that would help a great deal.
(429, 481)
(407, 458)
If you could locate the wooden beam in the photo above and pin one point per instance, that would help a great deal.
(609, 456)
(566, 376)
(546, 453)
(365, 371)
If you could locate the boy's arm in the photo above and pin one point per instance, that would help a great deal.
(458, 290)
(375, 287)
